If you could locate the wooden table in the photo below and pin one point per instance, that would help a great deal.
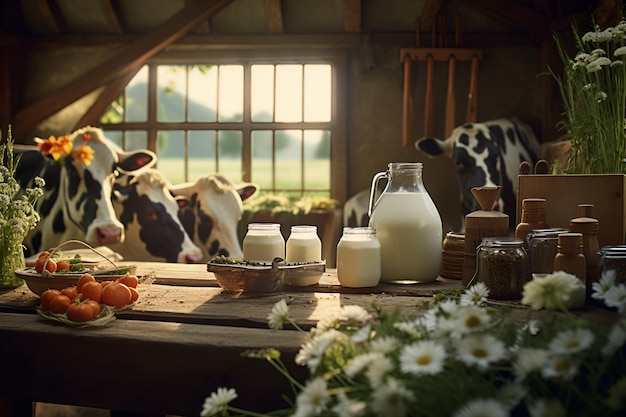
(181, 341)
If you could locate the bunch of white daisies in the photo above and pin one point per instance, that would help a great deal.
(462, 358)
(17, 213)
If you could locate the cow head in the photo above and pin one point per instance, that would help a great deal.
(487, 154)
(211, 213)
(77, 197)
(150, 216)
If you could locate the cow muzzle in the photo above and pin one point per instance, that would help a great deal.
(190, 257)
(108, 234)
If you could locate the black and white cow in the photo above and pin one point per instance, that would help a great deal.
(487, 154)
(77, 198)
(213, 213)
(150, 216)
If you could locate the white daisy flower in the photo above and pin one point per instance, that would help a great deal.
(424, 357)
(616, 297)
(480, 350)
(378, 370)
(560, 367)
(325, 323)
(529, 360)
(385, 344)
(361, 362)
(470, 319)
(550, 291)
(544, 407)
(615, 339)
(412, 328)
(313, 398)
(620, 51)
(603, 285)
(571, 341)
(483, 407)
(346, 407)
(511, 393)
(355, 314)
(391, 399)
(279, 315)
(475, 295)
(361, 335)
(312, 352)
(218, 401)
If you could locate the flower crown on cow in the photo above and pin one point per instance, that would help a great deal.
(62, 146)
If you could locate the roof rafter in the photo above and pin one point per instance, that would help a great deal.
(113, 13)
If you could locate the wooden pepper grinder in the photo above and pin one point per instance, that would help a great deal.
(589, 228)
(533, 217)
(480, 224)
(570, 256)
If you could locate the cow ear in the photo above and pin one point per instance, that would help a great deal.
(246, 191)
(431, 146)
(137, 160)
(182, 201)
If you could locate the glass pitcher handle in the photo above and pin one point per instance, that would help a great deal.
(373, 190)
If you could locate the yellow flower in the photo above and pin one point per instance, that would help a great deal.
(57, 147)
(84, 154)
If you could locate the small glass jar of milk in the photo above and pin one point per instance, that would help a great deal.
(263, 243)
(358, 258)
(303, 245)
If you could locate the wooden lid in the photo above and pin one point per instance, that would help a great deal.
(486, 196)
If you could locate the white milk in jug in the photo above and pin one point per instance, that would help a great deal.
(408, 227)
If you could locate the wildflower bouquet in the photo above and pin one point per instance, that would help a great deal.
(61, 147)
(594, 95)
(463, 357)
(17, 215)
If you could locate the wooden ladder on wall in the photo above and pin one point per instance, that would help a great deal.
(438, 52)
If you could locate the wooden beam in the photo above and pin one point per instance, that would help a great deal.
(274, 16)
(113, 13)
(52, 15)
(352, 16)
(517, 15)
(204, 27)
(429, 13)
(131, 57)
(110, 93)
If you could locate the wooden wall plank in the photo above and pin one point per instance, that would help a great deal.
(274, 16)
(352, 17)
(131, 57)
(52, 15)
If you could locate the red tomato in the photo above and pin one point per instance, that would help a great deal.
(63, 266)
(51, 266)
(95, 306)
(82, 280)
(47, 296)
(130, 281)
(80, 311)
(71, 292)
(105, 283)
(116, 294)
(59, 304)
(134, 294)
(91, 290)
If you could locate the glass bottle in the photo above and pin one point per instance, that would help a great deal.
(542, 248)
(570, 256)
(613, 258)
(407, 225)
(533, 217)
(358, 258)
(502, 264)
(263, 243)
(303, 245)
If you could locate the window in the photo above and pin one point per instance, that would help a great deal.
(279, 123)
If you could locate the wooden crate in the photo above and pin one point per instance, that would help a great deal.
(563, 194)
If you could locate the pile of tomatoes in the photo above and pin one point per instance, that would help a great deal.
(81, 303)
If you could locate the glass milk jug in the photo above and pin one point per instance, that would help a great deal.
(408, 225)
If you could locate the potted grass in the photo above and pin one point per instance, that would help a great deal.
(593, 90)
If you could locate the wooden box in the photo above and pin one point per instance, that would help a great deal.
(563, 194)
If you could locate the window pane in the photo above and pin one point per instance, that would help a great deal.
(171, 153)
(230, 108)
(288, 93)
(115, 136)
(288, 159)
(230, 148)
(202, 93)
(202, 158)
(317, 89)
(171, 93)
(135, 139)
(317, 159)
(262, 158)
(262, 94)
(136, 97)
